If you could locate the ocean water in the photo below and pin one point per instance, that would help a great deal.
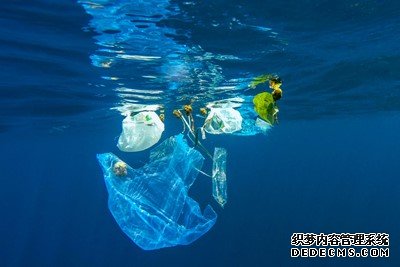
(71, 68)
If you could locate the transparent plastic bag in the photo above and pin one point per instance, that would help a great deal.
(223, 121)
(219, 185)
(140, 132)
(250, 125)
(151, 204)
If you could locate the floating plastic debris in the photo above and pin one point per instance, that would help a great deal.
(223, 121)
(250, 125)
(219, 176)
(140, 131)
(151, 204)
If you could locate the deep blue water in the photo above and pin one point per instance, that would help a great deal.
(331, 165)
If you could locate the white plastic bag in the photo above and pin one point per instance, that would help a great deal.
(140, 131)
(223, 120)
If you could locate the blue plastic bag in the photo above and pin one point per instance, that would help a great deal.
(151, 204)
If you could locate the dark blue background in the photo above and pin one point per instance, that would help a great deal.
(331, 165)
